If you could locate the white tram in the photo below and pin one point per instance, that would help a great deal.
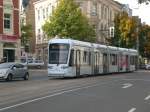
(72, 58)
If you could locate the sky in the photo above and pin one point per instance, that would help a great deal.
(141, 10)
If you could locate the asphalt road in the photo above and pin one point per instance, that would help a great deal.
(129, 92)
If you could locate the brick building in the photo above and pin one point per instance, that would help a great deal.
(9, 30)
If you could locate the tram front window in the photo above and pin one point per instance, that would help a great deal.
(58, 53)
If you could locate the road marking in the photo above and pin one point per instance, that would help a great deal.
(127, 85)
(132, 110)
(41, 98)
(147, 98)
(54, 94)
(136, 80)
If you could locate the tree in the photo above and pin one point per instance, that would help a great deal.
(115, 41)
(144, 1)
(144, 35)
(26, 34)
(68, 21)
(125, 33)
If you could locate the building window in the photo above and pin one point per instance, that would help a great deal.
(38, 14)
(111, 16)
(53, 9)
(47, 12)
(39, 34)
(43, 13)
(80, 4)
(102, 27)
(102, 11)
(105, 13)
(7, 21)
(99, 10)
(94, 9)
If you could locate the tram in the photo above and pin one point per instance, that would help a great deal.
(73, 58)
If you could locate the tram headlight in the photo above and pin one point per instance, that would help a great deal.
(50, 67)
(64, 67)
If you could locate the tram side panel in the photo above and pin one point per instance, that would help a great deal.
(82, 61)
(113, 65)
(122, 62)
(85, 64)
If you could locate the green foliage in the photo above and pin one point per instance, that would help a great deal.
(26, 34)
(144, 1)
(126, 34)
(144, 34)
(68, 21)
(125, 31)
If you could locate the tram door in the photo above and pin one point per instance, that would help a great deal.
(105, 63)
(96, 63)
(77, 63)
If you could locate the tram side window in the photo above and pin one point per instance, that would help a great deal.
(116, 61)
(71, 61)
(113, 59)
(132, 60)
(85, 57)
(89, 58)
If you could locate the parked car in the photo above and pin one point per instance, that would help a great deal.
(32, 62)
(9, 71)
(142, 66)
(35, 63)
(147, 66)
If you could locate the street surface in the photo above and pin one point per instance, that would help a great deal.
(126, 92)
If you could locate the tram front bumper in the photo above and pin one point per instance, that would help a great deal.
(56, 74)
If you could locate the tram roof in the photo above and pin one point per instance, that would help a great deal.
(133, 51)
(71, 41)
(54, 40)
(100, 46)
(88, 44)
(113, 47)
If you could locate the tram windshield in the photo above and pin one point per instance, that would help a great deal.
(58, 53)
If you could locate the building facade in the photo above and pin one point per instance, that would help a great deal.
(27, 17)
(30, 20)
(43, 9)
(101, 14)
(9, 30)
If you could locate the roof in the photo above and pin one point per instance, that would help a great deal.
(88, 44)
